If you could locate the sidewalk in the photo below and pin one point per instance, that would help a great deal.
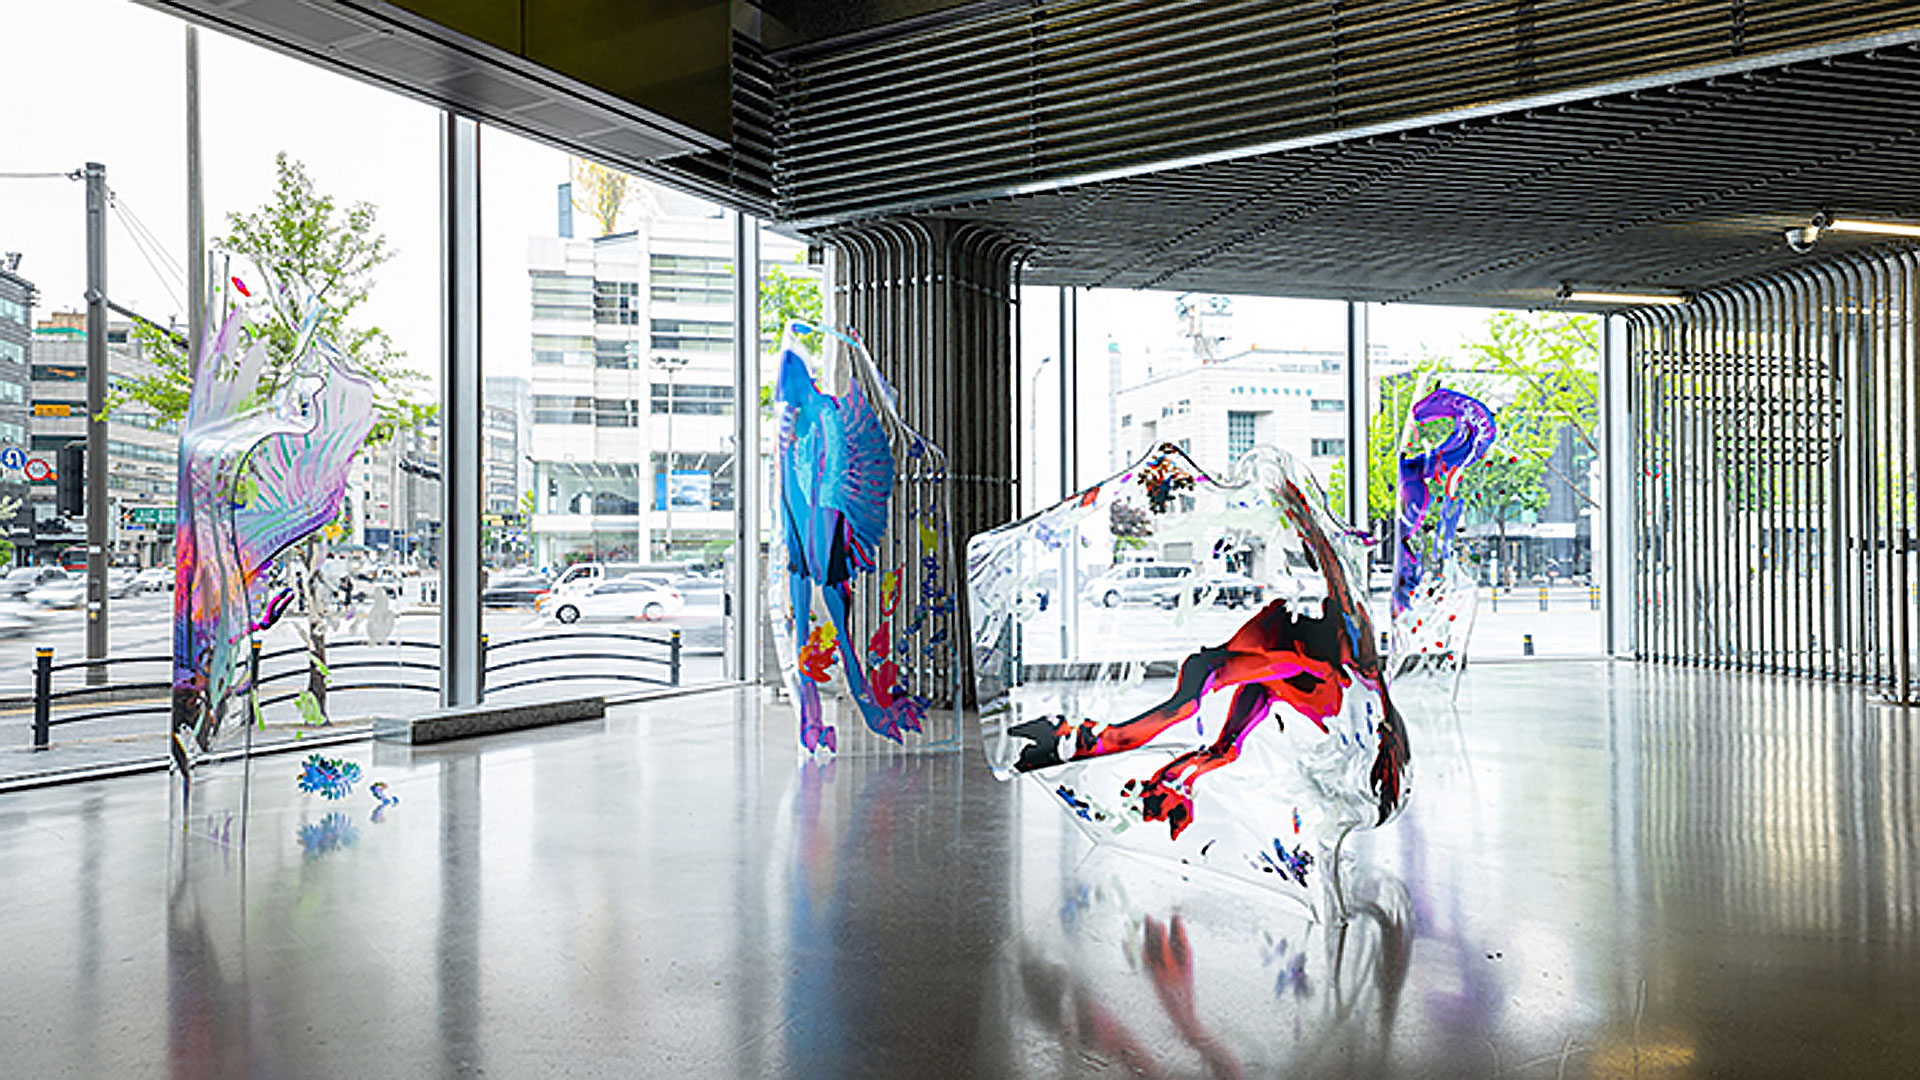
(128, 753)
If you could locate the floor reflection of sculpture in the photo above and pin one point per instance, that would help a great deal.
(1309, 650)
(1169, 961)
(212, 1022)
(858, 883)
(1433, 595)
(1165, 981)
(837, 481)
(259, 471)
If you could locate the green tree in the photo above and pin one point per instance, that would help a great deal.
(1552, 365)
(302, 250)
(299, 251)
(528, 504)
(784, 297)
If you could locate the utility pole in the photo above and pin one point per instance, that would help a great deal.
(96, 177)
(196, 212)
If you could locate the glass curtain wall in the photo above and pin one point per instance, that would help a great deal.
(1533, 530)
(607, 308)
(1212, 375)
(283, 144)
(288, 146)
(1216, 375)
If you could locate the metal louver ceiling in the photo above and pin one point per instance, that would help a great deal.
(1680, 187)
(1448, 151)
(1275, 148)
(1036, 95)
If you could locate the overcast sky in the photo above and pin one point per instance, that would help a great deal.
(120, 101)
(128, 112)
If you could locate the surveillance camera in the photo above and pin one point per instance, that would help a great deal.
(1801, 240)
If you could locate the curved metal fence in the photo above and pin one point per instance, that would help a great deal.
(282, 675)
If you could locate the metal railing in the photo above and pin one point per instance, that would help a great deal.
(1539, 597)
(380, 672)
(671, 661)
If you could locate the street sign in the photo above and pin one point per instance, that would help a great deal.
(52, 409)
(155, 515)
(39, 471)
(13, 458)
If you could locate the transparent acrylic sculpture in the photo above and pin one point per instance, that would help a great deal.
(1187, 664)
(259, 471)
(1434, 593)
(861, 590)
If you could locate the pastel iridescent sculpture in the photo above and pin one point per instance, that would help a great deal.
(1142, 695)
(257, 475)
(862, 508)
(1433, 594)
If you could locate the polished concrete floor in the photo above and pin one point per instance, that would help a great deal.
(1606, 870)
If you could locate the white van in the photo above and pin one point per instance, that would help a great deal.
(585, 575)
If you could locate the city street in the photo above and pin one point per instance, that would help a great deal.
(141, 626)
(1569, 627)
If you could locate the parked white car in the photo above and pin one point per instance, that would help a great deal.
(67, 592)
(1139, 583)
(24, 579)
(621, 598)
(582, 576)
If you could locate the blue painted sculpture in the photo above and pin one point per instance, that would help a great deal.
(877, 559)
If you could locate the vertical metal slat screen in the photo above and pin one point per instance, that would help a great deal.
(1777, 431)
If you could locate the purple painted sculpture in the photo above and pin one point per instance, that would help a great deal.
(1433, 596)
(257, 474)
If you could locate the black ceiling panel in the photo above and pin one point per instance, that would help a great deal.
(1681, 187)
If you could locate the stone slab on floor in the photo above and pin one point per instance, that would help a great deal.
(444, 725)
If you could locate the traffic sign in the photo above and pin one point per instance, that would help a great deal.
(38, 470)
(13, 458)
(155, 515)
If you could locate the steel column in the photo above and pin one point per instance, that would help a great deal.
(461, 414)
(745, 598)
(1358, 385)
(1616, 511)
(1069, 394)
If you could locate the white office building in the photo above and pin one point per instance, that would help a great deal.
(633, 360)
(1216, 410)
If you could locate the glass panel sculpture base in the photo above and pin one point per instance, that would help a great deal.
(1434, 593)
(211, 812)
(1188, 666)
(860, 585)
